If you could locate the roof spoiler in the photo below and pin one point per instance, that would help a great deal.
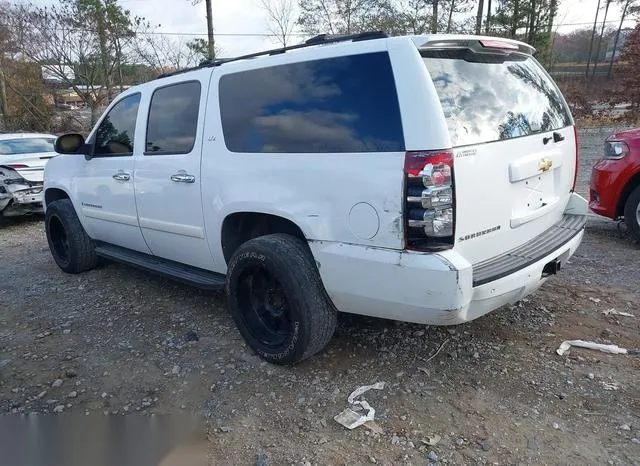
(480, 45)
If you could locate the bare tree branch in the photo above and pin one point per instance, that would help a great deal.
(281, 19)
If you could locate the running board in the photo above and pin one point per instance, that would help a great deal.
(193, 276)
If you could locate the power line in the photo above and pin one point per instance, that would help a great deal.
(265, 35)
(590, 22)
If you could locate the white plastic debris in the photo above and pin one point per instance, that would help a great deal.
(612, 349)
(350, 418)
(617, 313)
(610, 385)
(432, 440)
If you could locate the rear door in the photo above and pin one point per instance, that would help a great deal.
(514, 146)
(168, 179)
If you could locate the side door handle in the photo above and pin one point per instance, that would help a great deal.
(122, 176)
(182, 177)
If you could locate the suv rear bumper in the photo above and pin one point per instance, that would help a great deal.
(436, 288)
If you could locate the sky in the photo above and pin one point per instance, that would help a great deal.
(240, 25)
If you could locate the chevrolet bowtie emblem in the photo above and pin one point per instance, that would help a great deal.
(545, 165)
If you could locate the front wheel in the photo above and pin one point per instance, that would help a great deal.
(70, 246)
(632, 212)
(277, 299)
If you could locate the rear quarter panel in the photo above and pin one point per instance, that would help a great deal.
(329, 196)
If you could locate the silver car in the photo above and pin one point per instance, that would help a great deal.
(23, 157)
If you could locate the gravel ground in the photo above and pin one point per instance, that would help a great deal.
(118, 341)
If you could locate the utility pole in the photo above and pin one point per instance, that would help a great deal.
(593, 36)
(479, 16)
(595, 62)
(487, 26)
(615, 43)
(212, 51)
(3, 97)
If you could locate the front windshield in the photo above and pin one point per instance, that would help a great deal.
(26, 146)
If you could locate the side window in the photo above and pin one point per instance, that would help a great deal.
(116, 132)
(343, 104)
(173, 119)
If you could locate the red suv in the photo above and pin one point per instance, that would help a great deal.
(615, 180)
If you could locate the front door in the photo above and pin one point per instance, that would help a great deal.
(167, 176)
(104, 184)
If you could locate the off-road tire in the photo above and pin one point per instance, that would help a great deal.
(312, 316)
(630, 212)
(78, 252)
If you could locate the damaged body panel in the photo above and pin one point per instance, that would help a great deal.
(18, 195)
(23, 157)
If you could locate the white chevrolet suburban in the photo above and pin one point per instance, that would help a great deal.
(427, 179)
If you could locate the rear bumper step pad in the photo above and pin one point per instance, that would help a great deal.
(530, 252)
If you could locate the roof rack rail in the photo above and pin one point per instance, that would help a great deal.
(328, 38)
(316, 40)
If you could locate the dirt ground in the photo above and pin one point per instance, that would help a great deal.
(119, 341)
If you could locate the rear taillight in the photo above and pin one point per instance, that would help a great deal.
(575, 170)
(429, 203)
(16, 165)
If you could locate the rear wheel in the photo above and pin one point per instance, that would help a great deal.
(277, 299)
(632, 212)
(70, 246)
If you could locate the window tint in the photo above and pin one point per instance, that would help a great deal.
(486, 102)
(345, 104)
(26, 146)
(173, 119)
(115, 134)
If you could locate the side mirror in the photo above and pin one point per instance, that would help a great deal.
(70, 144)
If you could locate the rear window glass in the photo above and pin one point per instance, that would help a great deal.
(485, 102)
(344, 104)
(26, 146)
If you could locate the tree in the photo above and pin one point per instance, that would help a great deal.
(340, 16)
(80, 35)
(5, 48)
(593, 36)
(408, 17)
(458, 6)
(200, 48)
(22, 93)
(164, 54)
(526, 20)
(479, 16)
(553, 11)
(434, 16)
(26, 98)
(487, 26)
(629, 7)
(281, 18)
(604, 22)
(574, 46)
(627, 77)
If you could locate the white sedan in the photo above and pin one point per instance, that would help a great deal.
(23, 157)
